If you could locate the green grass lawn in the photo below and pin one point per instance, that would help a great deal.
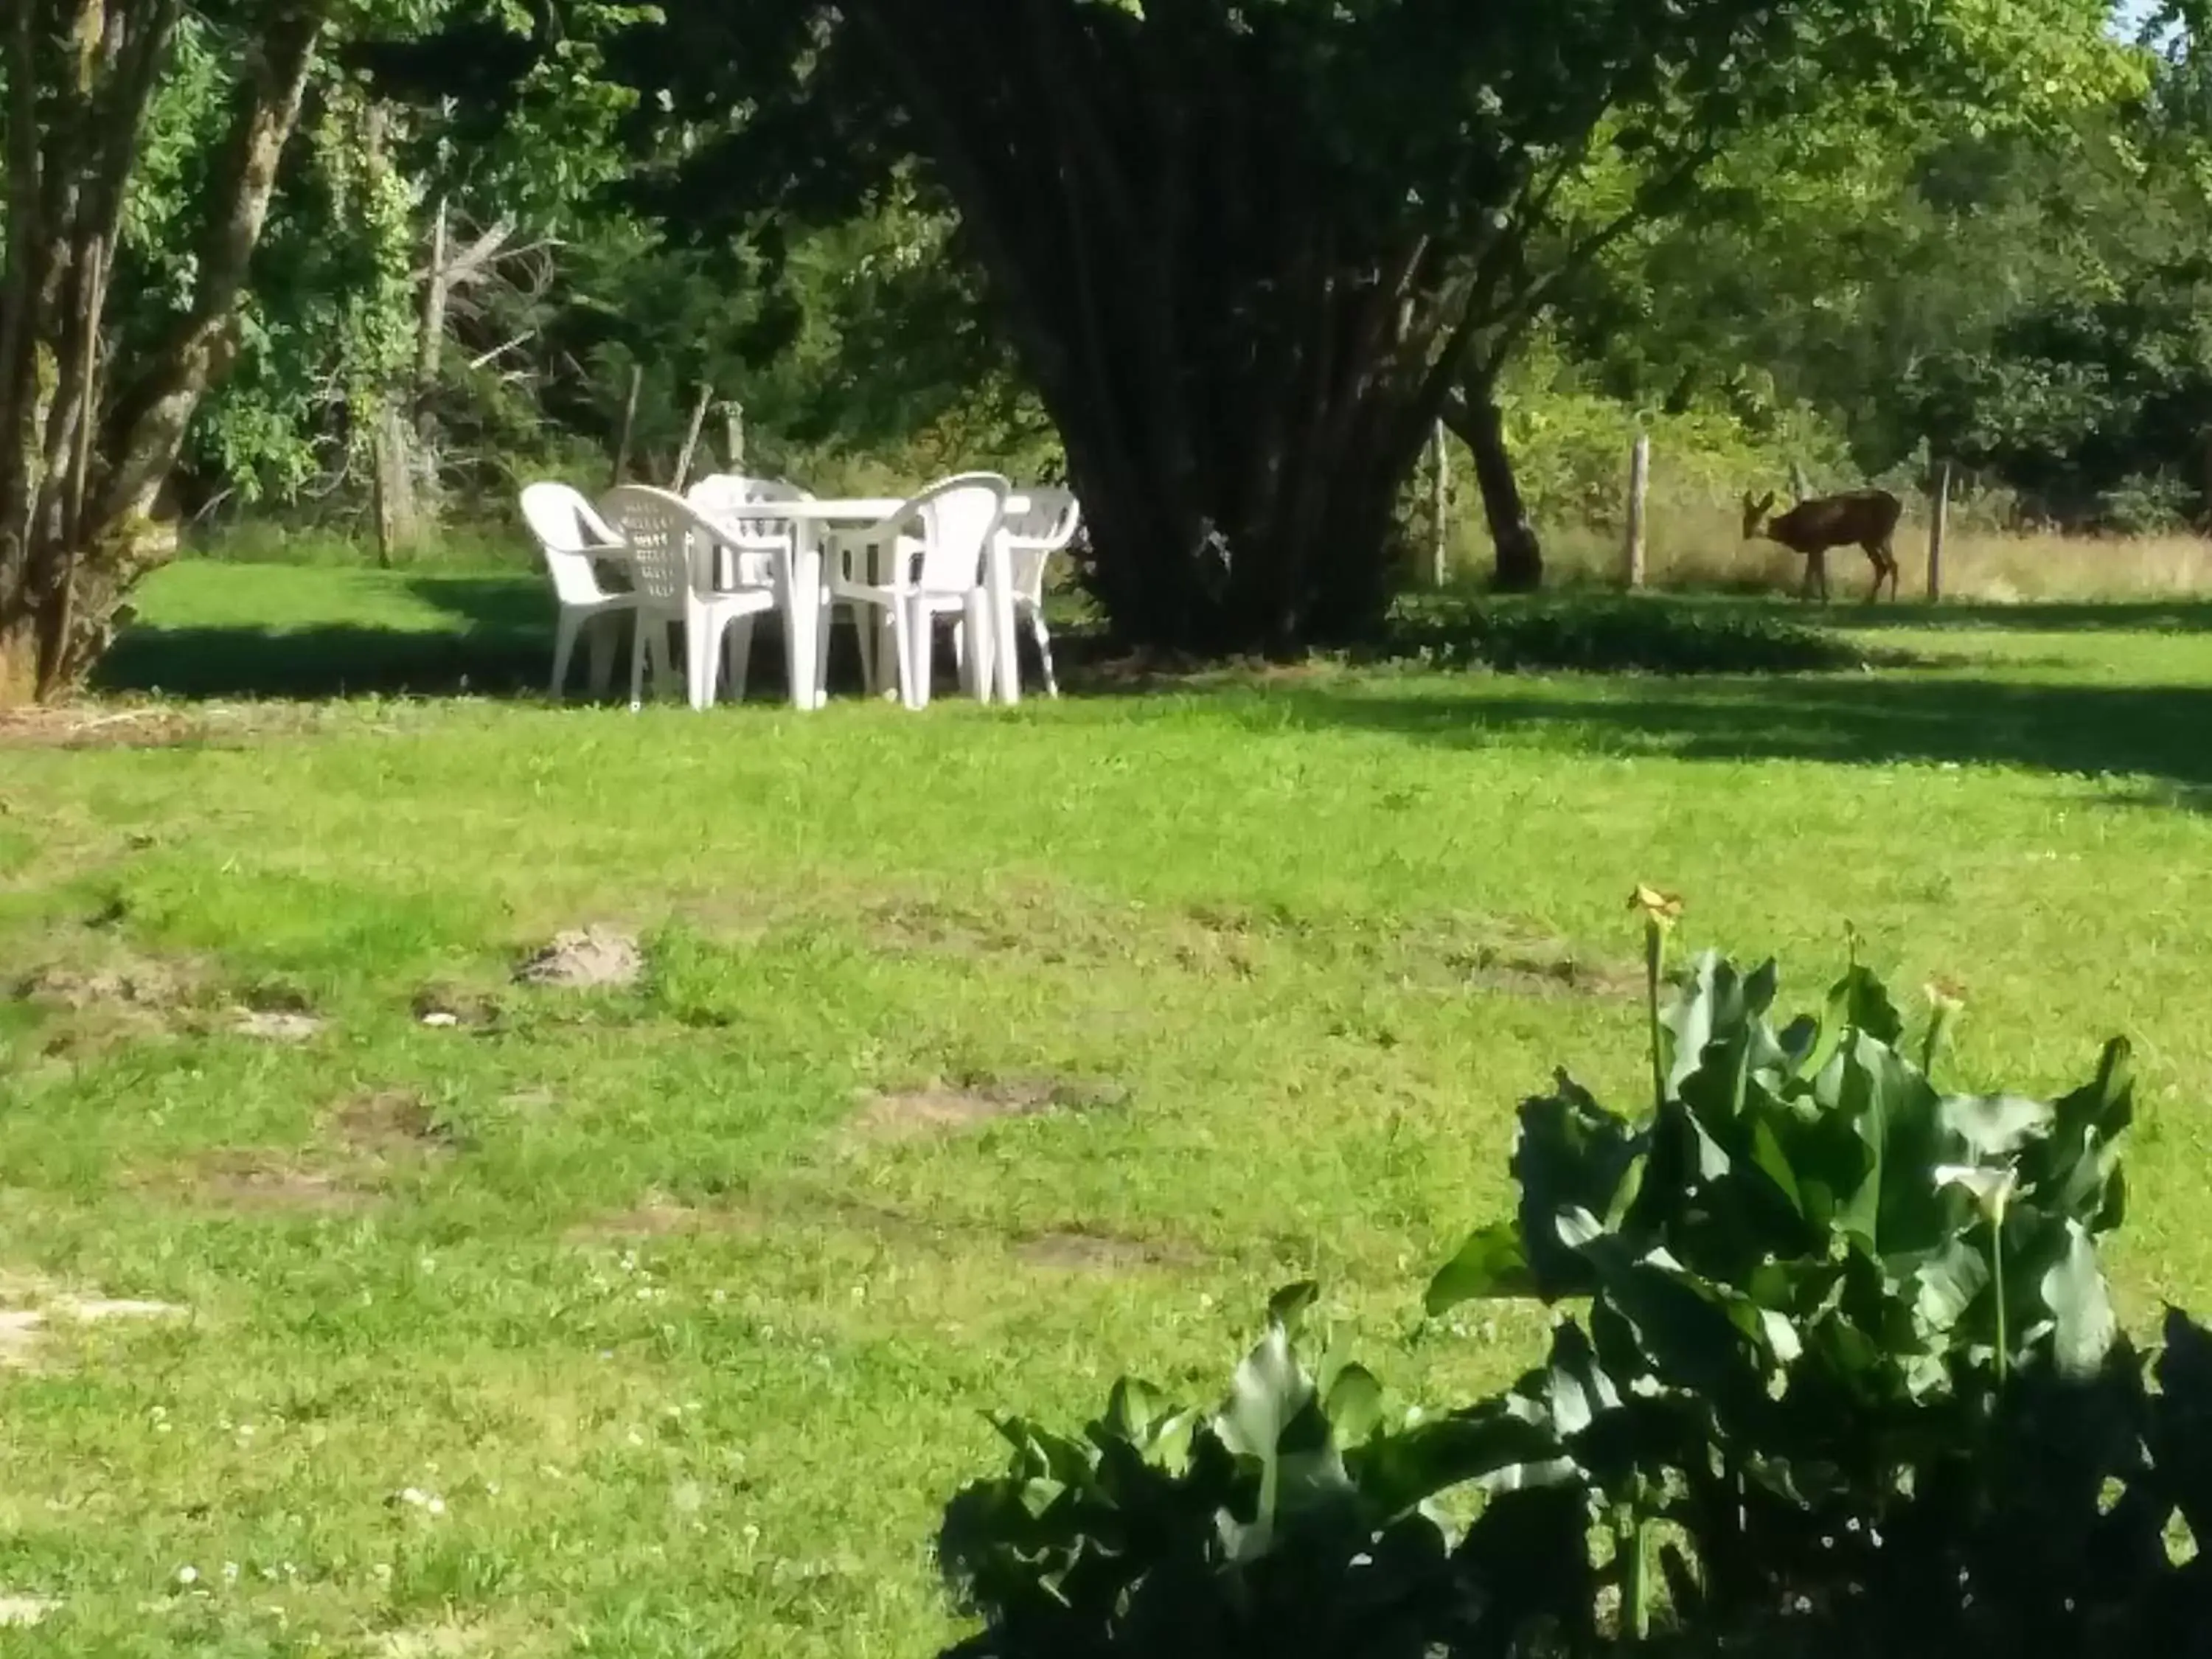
(684, 1302)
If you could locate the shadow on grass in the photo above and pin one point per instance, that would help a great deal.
(2032, 617)
(2153, 731)
(490, 636)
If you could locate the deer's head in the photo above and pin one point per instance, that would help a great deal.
(1755, 512)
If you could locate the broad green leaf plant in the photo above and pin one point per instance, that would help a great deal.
(1823, 1322)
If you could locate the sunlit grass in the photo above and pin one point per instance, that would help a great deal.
(687, 1348)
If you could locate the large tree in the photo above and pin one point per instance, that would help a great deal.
(1245, 248)
(86, 444)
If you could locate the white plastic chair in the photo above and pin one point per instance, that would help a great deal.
(675, 585)
(571, 534)
(1046, 525)
(753, 538)
(935, 544)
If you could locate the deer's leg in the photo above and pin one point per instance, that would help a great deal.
(1885, 566)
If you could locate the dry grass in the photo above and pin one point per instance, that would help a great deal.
(1700, 545)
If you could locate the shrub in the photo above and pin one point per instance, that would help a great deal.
(1843, 1375)
(1599, 634)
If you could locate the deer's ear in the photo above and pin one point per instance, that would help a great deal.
(1767, 503)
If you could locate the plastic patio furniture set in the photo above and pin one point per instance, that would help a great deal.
(707, 565)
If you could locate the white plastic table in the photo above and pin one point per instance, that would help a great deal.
(803, 610)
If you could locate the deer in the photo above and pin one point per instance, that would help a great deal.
(1867, 518)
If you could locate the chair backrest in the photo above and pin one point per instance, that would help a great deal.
(568, 531)
(959, 516)
(1045, 525)
(753, 538)
(658, 528)
(725, 495)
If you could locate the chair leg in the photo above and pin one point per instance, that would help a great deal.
(737, 656)
(818, 690)
(698, 660)
(1043, 638)
(863, 619)
(602, 635)
(974, 620)
(902, 631)
(564, 645)
(960, 649)
(921, 637)
(641, 646)
(890, 635)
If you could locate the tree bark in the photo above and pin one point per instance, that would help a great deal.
(1475, 416)
(80, 470)
(1243, 376)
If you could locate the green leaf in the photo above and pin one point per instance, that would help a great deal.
(1493, 1263)
(1861, 1001)
(1397, 1472)
(1287, 1309)
(2081, 1306)
(1571, 1154)
(1354, 1405)
(1995, 1126)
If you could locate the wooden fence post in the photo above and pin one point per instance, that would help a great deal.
(1938, 526)
(733, 434)
(1440, 505)
(629, 421)
(1639, 486)
(691, 437)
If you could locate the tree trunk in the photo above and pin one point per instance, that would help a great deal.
(1242, 378)
(1481, 426)
(81, 470)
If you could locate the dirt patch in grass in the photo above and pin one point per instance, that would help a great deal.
(453, 1007)
(31, 1310)
(658, 1216)
(941, 1108)
(257, 1183)
(138, 983)
(1081, 1250)
(585, 959)
(1550, 970)
(93, 727)
(386, 1124)
(912, 926)
(275, 1026)
(98, 993)
(1071, 1249)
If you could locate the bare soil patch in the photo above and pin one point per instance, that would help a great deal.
(94, 727)
(98, 993)
(275, 1026)
(932, 926)
(658, 1216)
(453, 1007)
(1081, 1250)
(1547, 969)
(123, 982)
(941, 1108)
(586, 959)
(390, 1123)
(262, 1183)
(30, 1311)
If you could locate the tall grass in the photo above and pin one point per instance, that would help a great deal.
(1692, 546)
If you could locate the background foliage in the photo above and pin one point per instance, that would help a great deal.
(2001, 270)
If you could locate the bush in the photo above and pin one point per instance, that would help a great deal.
(1844, 1378)
(1601, 633)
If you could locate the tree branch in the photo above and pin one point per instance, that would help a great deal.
(147, 425)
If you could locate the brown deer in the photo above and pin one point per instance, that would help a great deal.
(1867, 518)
